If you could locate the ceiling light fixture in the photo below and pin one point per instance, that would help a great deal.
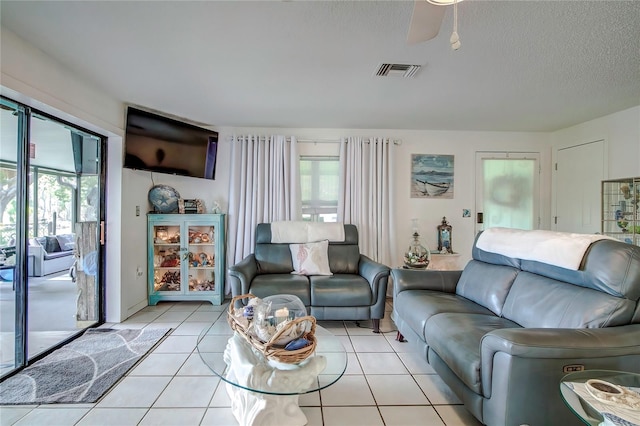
(455, 39)
(443, 2)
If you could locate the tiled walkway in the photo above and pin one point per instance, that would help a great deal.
(385, 382)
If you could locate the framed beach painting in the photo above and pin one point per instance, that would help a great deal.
(431, 176)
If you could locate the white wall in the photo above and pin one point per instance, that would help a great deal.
(620, 131)
(463, 145)
(32, 77)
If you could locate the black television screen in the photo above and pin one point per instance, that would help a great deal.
(164, 145)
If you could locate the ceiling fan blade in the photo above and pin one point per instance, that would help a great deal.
(425, 21)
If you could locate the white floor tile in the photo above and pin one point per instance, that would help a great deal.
(456, 415)
(157, 364)
(55, 416)
(186, 306)
(10, 415)
(113, 416)
(346, 343)
(381, 363)
(416, 363)
(436, 390)
(156, 325)
(173, 416)
(194, 366)
(361, 328)
(370, 344)
(188, 392)
(396, 390)
(349, 390)
(352, 416)
(353, 364)
(191, 328)
(177, 344)
(173, 316)
(204, 316)
(143, 316)
(335, 327)
(410, 416)
(219, 416)
(135, 391)
(220, 396)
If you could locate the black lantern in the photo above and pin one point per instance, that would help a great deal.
(444, 237)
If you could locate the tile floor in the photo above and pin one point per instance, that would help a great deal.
(386, 383)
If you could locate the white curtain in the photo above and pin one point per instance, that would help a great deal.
(366, 196)
(264, 188)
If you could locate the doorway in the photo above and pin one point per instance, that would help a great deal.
(579, 171)
(507, 190)
(51, 198)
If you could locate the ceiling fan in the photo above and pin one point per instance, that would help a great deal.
(427, 18)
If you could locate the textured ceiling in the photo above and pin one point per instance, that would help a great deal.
(523, 65)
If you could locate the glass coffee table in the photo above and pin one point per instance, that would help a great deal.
(618, 396)
(265, 392)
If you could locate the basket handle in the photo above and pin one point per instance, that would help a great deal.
(232, 305)
(293, 322)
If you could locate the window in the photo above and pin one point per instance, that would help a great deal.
(319, 178)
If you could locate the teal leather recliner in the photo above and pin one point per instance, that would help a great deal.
(503, 332)
(356, 290)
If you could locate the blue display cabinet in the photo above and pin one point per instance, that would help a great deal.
(186, 257)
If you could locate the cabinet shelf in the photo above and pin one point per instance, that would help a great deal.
(197, 276)
(620, 217)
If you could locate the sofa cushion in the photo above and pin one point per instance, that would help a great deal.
(310, 258)
(418, 306)
(66, 241)
(539, 302)
(57, 254)
(486, 284)
(340, 290)
(270, 284)
(51, 244)
(456, 337)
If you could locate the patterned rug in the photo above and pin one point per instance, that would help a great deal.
(82, 370)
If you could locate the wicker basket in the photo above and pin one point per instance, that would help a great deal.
(269, 349)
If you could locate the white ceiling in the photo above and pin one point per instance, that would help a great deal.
(523, 65)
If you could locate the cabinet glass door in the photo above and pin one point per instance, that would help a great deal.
(166, 258)
(201, 258)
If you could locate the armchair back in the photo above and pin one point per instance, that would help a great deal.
(275, 258)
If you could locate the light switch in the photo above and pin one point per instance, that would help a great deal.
(137, 210)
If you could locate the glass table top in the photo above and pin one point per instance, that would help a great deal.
(589, 409)
(214, 340)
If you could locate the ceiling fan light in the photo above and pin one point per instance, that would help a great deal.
(443, 2)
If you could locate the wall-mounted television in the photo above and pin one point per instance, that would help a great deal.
(165, 145)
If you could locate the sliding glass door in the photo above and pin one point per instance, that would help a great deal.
(51, 220)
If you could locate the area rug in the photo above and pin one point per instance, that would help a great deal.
(82, 370)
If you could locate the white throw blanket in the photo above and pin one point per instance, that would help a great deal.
(306, 232)
(562, 249)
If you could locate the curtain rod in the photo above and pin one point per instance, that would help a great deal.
(314, 141)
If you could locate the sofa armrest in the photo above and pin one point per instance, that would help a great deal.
(570, 345)
(375, 273)
(412, 279)
(241, 274)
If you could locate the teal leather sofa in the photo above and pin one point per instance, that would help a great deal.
(503, 332)
(356, 290)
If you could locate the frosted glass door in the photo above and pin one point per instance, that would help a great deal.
(507, 191)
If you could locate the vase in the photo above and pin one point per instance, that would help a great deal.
(417, 256)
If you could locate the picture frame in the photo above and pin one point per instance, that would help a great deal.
(432, 176)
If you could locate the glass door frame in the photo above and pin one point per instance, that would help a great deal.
(23, 169)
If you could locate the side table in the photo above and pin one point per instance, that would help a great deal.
(263, 392)
(445, 262)
(622, 407)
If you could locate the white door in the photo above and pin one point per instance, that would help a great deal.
(579, 171)
(507, 190)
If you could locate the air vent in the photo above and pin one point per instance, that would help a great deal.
(398, 70)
